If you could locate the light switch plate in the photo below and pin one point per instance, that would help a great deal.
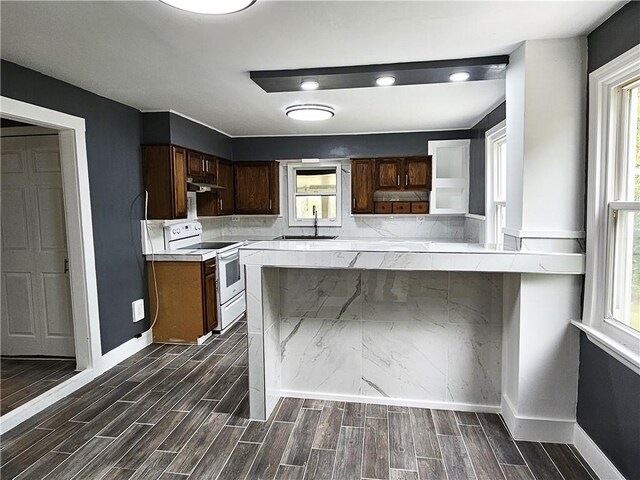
(137, 308)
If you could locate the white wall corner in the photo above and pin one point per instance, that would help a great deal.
(532, 429)
(546, 112)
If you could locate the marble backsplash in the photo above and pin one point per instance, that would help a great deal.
(409, 336)
(426, 227)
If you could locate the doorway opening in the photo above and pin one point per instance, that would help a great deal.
(36, 329)
(49, 331)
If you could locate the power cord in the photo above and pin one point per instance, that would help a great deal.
(153, 258)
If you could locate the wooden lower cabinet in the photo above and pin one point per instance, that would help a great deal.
(383, 207)
(401, 207)
(186, 299)
(419, 207)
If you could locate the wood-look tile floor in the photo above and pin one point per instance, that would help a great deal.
(180, 412)
(22, 380)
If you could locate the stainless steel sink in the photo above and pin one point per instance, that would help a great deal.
(305, 237)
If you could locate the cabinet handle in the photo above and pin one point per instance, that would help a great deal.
(354, 202)
(66, 265)
(406, 179)
(221, 204)
(269, 204)
(398, 180)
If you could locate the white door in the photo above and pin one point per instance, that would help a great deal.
(36, 297)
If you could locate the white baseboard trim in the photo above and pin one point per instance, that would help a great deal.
(536, 429)
(336, 397)
(48, 398)
(124, 351)
(596, 459)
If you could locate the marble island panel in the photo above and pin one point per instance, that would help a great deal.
(452, 326)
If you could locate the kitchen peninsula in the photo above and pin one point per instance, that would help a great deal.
(439, 325)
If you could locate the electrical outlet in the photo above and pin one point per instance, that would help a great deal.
(137, 308)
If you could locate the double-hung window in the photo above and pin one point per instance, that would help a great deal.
(623, 245)
(611, 315)
(496, 184)
(314, 191)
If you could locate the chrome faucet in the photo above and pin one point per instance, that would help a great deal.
(315, 221)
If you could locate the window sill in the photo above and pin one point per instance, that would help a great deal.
(618, 351)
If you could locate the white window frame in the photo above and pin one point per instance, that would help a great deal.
(604, 113)
(493, 136)
(291, 193)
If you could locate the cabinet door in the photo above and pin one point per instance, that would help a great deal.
(388, 174)
(450, 182)
(254, 190)
(195, 166)
(225, 195)
(210, 303)
(362, 186)
(417, 173)
(179, 157)
(209, 167)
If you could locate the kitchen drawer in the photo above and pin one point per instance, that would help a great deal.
(419, 207)
(210, 266)
(382, 207)
(401, 207)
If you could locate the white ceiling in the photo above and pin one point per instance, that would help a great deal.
(155, 57)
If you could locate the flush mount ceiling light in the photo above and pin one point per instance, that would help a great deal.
(310, 113)
(309, 85)
(385, 81)
(209, 7)
(459, 76)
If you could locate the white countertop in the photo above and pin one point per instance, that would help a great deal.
(407, 254)
(195, 255)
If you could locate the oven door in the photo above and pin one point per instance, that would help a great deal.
(230, 276)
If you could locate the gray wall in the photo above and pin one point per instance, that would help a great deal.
(338, 146)
(169, 128)
(113, 134)
(608, 391)
(477, 156)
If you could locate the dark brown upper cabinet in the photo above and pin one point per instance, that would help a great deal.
(256, 188)
(195, 164)
(165, 180)
(403, 173)
(226, 197)
(387, 173)
(218, 201)
(417, 173)
(362, 186)
(209, 168)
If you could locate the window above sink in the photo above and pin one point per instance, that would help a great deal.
(314, 188)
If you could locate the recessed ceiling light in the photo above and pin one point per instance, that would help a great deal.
(385, 81)
(459, 76)
(310, 113)
(208, 7)
(309, 84)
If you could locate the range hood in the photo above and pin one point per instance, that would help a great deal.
(202, 185)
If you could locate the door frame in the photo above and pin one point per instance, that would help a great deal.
(79, 225)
